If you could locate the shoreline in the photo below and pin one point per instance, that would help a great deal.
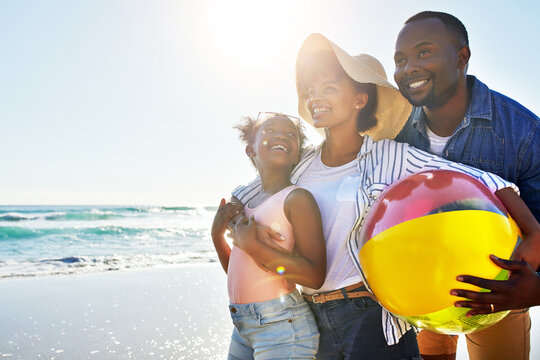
(171, 312)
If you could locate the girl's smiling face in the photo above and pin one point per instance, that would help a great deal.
(276, 143)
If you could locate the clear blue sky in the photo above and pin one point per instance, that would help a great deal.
(133, 102)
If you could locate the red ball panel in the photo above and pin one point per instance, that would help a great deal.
(424, 193)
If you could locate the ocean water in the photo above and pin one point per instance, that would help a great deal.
(55, 240)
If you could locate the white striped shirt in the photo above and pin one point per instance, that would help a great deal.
(380, 164)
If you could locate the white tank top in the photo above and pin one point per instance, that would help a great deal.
(334, 189)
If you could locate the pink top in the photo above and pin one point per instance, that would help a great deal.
(246, 281)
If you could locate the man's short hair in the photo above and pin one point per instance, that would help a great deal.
(452, 24)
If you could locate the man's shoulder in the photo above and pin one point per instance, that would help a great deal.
(507, 105)
(503, 107)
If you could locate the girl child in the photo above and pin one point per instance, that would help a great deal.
(350, 101)
(271, 319)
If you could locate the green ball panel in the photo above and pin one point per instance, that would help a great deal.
(453, 321)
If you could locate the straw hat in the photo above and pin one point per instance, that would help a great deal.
(392, 108)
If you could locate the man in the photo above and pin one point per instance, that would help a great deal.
(458, 117)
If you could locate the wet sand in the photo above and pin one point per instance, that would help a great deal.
(173, 313)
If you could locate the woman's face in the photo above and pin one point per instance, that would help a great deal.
(332, 99)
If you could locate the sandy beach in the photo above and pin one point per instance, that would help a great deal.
(159, 313)
(172, 313)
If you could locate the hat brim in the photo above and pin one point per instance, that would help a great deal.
(393, 109)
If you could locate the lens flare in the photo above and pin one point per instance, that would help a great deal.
(280, 270)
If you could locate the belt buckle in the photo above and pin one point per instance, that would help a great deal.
(315, 301)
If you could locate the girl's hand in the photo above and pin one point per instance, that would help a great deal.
(226, 212)
(244, 234)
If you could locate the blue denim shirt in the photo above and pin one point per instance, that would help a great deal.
(497, 134)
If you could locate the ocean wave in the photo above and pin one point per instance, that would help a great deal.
(86, 264)
(91, 215)
(17, 232)
(156, 209)
(60, 216)
(17, 216)
(96, 214)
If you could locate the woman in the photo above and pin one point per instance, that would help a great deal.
(351, 102)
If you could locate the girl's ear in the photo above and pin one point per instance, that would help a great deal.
(249, 151)
(361, 101)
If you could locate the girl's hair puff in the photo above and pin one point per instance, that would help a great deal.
(249, 126)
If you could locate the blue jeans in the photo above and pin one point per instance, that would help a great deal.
(282, 328)
(352, 329)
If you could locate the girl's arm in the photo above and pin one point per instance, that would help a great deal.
(225, 213)
(529, 249)
(307, 264)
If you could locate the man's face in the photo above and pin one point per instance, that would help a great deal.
(426, 59)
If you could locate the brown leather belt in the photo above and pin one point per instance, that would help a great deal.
(338, 294)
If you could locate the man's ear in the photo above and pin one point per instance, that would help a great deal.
(249, 151)
(464, 55)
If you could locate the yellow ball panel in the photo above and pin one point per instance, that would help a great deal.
(435, 249)
(453, 320)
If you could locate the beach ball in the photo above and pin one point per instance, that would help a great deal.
(423, 231)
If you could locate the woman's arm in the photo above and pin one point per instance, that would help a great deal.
(307, 264)
(529, 249)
